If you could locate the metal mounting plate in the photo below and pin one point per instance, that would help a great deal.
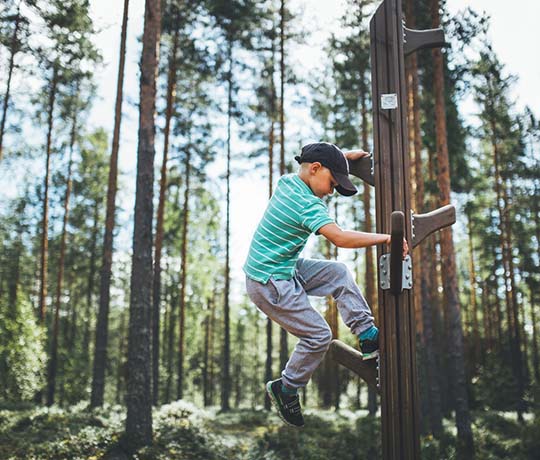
(384, 272)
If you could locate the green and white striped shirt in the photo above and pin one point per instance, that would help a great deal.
(293, 213)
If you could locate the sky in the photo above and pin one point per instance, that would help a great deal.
(514, 33)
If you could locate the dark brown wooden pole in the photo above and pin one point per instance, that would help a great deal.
(399, 396)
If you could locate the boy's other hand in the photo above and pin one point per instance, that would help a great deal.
(356, 154)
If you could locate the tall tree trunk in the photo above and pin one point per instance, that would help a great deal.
(90, 289)
(139, 385)
(45, 219)
(207, 357)
(226, 384)
(122, 364)
(423, 292)
(102, 326)
(283, 345)
(473, 304)
(371, 292)
(53, 361)
(268, 363)
(171, 88)
(170, 341)
(239, 359)
(211, 342)
(463, 422)
(183, 277)
(12, 51)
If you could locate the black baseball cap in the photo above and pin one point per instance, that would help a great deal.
(331, 157)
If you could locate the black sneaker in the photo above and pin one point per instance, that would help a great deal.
(369, 348)
(288, 406)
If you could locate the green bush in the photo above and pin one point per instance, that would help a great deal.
(22, 354)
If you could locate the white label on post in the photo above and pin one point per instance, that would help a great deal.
(389, 101)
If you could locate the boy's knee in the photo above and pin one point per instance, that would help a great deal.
(320, 341)
(341, 270)
(326, 338)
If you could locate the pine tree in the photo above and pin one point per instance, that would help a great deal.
(463, 423)
(139, 385)
(100, 351)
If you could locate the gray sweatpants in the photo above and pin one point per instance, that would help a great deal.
(286, 302)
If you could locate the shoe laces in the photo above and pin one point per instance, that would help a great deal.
(293, 406)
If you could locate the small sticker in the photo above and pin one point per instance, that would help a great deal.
(389, 101)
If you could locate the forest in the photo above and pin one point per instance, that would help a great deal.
(125, 328)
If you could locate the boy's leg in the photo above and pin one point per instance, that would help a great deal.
(286, 303)
(326, 277)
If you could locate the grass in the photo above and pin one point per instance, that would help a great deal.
(183, 431)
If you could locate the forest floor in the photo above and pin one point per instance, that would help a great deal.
(183, 431)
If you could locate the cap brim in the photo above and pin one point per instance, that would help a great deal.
(345, 187)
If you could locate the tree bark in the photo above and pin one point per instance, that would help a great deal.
(171, 89)
(283, 345)
(268, 364)
(90, 289)
(226, 384)
(170, 341)
(45, 219)
(207, 356)
(463, 423)
(183, 277)
(371, 291)
(102, 326)
(139, 386)
(473, 304)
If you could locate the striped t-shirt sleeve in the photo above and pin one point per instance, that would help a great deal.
(316, 217)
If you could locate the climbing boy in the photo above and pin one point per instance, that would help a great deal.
(278, 281)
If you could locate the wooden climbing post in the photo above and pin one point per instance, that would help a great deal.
(389, 172)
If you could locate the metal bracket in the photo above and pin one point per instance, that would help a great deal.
(406, 279)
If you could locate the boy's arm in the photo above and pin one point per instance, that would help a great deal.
(353, 239)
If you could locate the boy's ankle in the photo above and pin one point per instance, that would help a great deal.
(369, 334)
(288, 391)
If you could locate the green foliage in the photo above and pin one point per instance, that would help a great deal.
(182, 431)
(22, 355)
(322, 438)
(53, 433)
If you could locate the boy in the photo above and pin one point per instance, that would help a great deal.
(279, 282)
